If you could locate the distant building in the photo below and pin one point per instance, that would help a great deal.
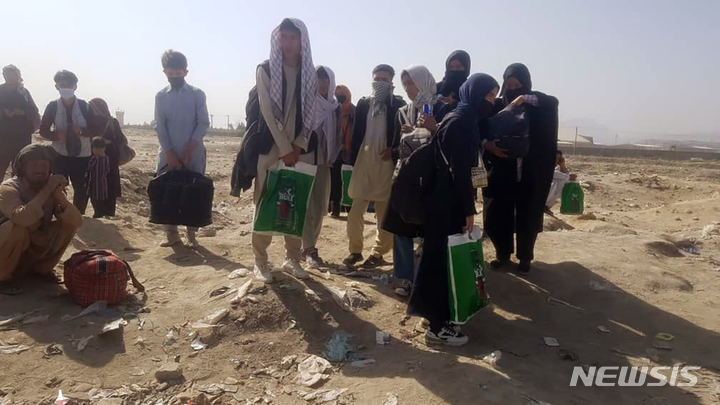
(120, 115)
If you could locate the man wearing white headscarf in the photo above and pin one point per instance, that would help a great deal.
(287, 97)
(373, 166)
(326, 140)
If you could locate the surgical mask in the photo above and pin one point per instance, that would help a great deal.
(67, 94)
(176, 82)
(341, 98)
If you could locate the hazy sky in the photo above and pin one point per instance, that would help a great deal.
(637, 66)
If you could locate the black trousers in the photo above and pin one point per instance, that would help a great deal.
(75, 170)
(336, 187)
(104, 208)
(503, 217)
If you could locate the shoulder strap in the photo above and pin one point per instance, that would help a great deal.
(83, 108)
(52, 109)
(138, 286)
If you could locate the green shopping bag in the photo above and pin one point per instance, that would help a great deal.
(573, 199)
(466, 276)
(346, 176)
(283, 204)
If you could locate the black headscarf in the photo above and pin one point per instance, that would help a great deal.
(472, 96)
(32, 153)
(522, 74)
(450, 85)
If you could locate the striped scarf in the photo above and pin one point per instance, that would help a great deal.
(308, 77)
(382, 91)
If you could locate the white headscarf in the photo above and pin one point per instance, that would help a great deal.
(427, 89)
(326, 118)
(308, 77)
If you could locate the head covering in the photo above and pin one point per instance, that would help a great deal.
(472, 96)
(99, 115)
(450, 85)
(308, 77)
(347, 110)
(326, 119)
(425, 83)
(32, 153)
(522, 74)
(347, 105)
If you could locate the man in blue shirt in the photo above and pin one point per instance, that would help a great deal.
(181, 121)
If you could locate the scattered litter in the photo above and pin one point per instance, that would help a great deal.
(363, 363)
(691, 250)
(13, 349)
(36, 319)
(113, 326)
(251, 300)
(170, 339)
(241, 272)
(358, 274)
(198, 345)
(217, 316)
(97, 307)
(554, 300)
(337, 349)
(324, 396)
(61, 399)
(404, 320)
(82, 343)
(288, 361)
(493, 357)
(392, 399)
(242, 292)
(138, 372)
(231, 381)
(203, 325)
(326, 275)
(665, 336)
(169, 372)
(349, 300)
(551, 342)
(312, 371)
(603, 329)
(600, 286)
(382, 338)
(566, 355)
(662, 345)
(219, 291)
(312, 295)
(52, 350)
(16, 318)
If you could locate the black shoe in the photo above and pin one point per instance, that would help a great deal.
(312, 258)
(449, 335)
(523, 267)
(373, 262)
(353, 259)
(499, 264)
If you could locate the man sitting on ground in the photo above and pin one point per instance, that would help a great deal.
(37, 222)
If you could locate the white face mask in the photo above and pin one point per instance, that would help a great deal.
(67, 94)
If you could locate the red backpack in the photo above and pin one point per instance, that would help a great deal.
(98, 275)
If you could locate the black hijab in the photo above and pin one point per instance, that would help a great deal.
(473, 106)
(450, 85)
(522, 74)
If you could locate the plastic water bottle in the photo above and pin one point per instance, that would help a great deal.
(384, 279)
(427, 109)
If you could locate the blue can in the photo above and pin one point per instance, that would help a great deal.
(426, 109)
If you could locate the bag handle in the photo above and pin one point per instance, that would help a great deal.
(135, 282)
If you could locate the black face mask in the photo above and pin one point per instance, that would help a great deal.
(511, 95)
(341, 98)
(484, 109)
(176, 82)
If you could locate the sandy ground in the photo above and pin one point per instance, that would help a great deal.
(623, 268)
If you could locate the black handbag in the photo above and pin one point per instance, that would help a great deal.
(512, 130)
(181, 197)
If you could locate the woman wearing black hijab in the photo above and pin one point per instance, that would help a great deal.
(451, 208)
(512, 205)
(457, 70)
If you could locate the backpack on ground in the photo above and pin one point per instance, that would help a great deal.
(98, 275)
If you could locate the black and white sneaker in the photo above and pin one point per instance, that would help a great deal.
(449, 335)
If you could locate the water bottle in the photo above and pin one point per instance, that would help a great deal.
(427, 109)
(384, 279)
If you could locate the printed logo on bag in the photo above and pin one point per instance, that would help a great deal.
(634, 376)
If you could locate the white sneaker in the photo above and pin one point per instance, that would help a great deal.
(263, 273)
(294, 267)
(449, 335)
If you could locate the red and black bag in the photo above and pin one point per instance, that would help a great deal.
(98, 275)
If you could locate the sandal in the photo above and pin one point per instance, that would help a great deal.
(8, 288)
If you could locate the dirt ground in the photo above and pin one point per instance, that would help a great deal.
(628, 267)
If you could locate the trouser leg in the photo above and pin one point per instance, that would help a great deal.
(383, 239)
(356, 225)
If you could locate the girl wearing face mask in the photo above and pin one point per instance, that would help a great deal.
(514, 200)
(65, 124)
(413, 127)
(457, 70)
(451, 208)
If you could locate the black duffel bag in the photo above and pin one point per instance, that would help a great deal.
(511, 128)
(181, 197)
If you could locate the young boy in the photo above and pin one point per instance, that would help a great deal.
(99, 169)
